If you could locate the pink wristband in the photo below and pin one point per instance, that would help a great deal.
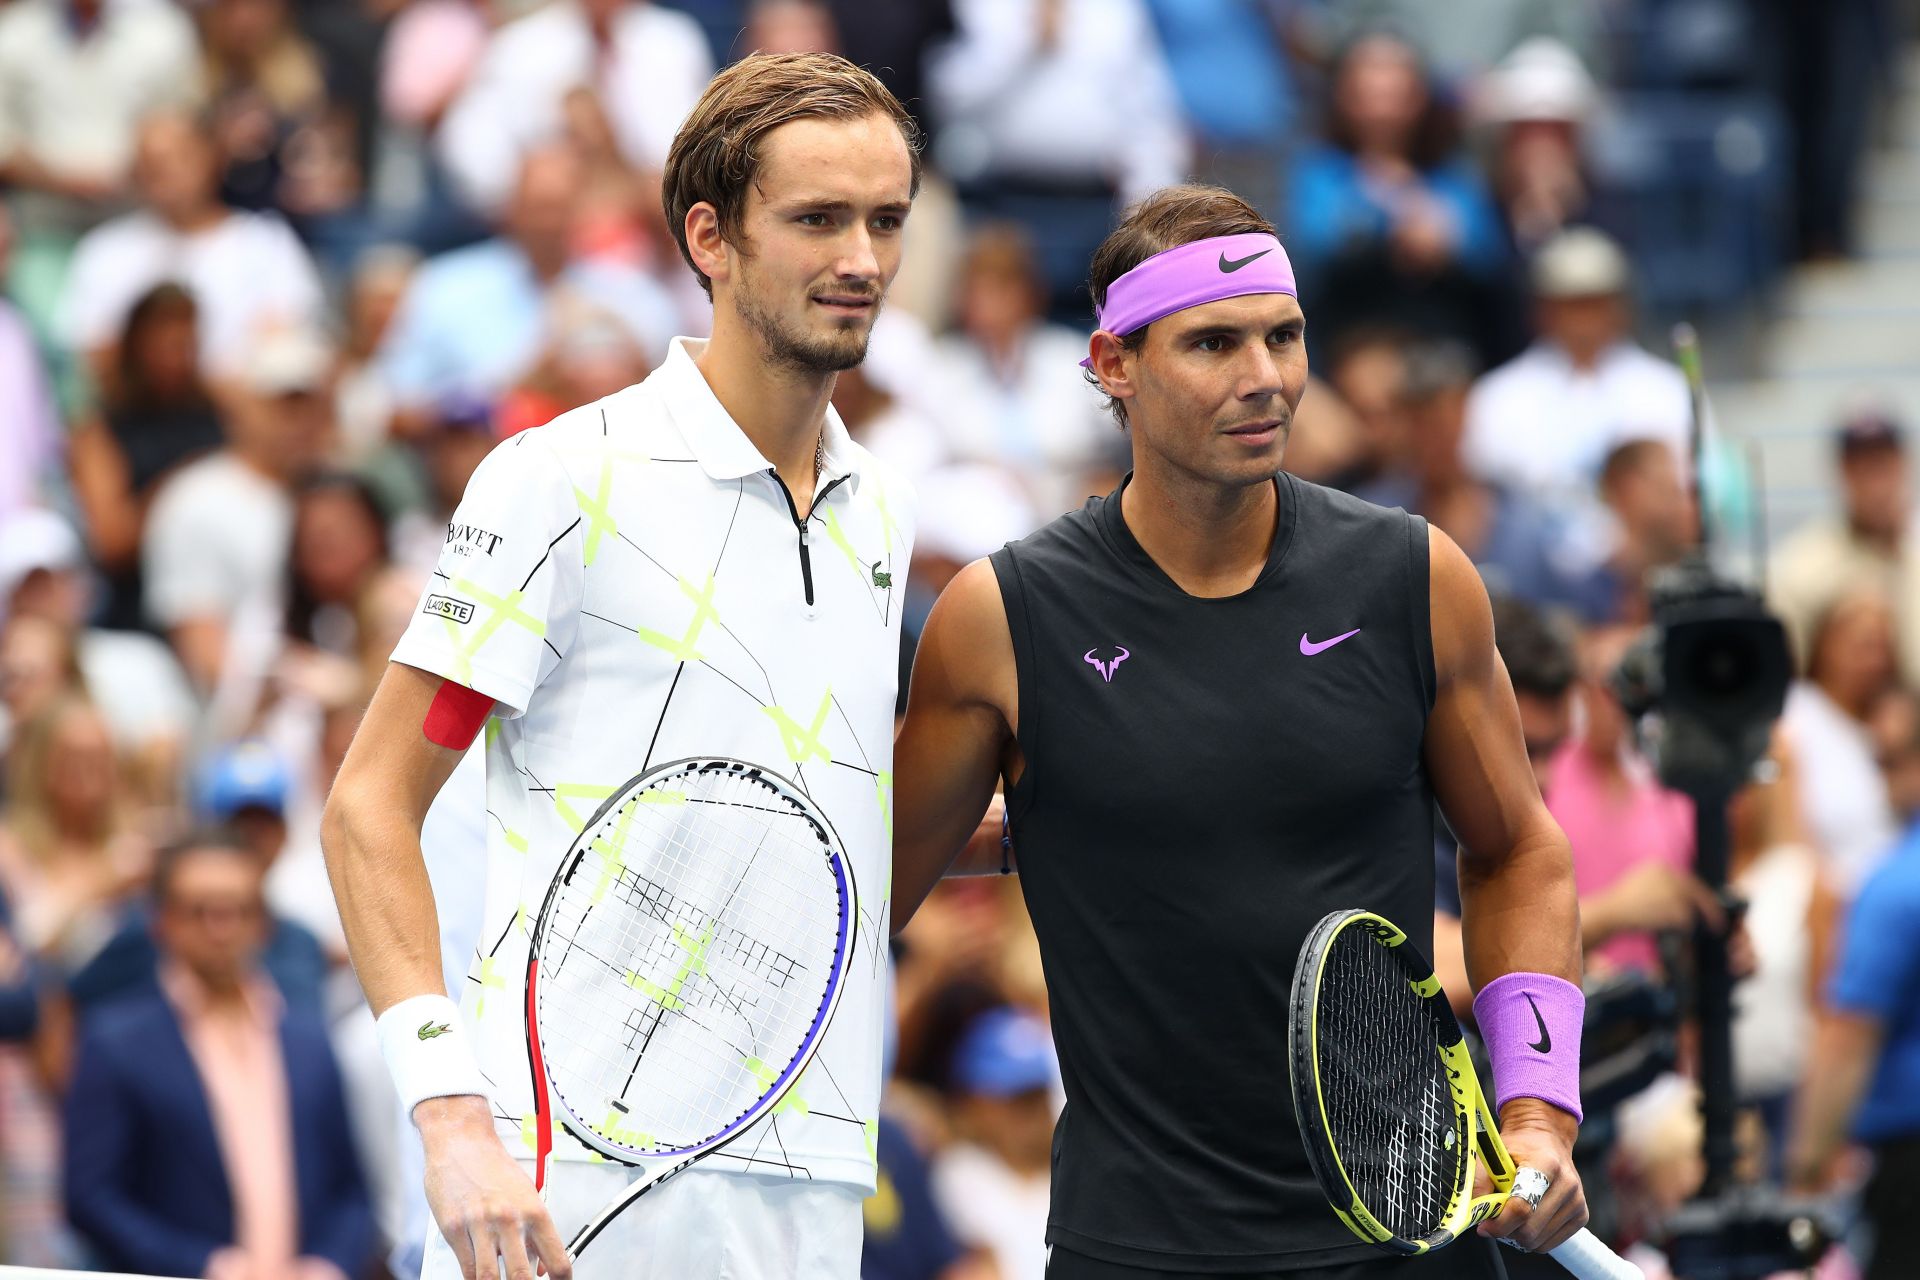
(1531, 1025)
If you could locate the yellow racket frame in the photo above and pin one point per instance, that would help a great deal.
(1474, 1120)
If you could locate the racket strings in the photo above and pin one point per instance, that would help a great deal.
(1389, 1107)
(685, 957)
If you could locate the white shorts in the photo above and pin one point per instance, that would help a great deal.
(698, 1225)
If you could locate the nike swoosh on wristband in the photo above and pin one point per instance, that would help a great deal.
(1229, 267)
(1545, 1043)
(1310, 647)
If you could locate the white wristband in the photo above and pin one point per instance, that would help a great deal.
(428, 1052)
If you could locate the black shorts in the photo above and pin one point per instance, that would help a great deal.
(1473, 1258)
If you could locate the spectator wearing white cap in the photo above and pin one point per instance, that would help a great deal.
(132, 677)
(1464, 38)
(1536, 105)
(246, 271)
(217, 536)
(1546, 420)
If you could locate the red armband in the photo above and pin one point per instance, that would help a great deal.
(456, 716)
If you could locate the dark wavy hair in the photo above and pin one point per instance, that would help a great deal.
(1170, 217)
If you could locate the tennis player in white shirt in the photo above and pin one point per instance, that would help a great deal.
(702, 564)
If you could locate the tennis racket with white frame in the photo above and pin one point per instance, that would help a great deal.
(685, 966)
(1390, 1108)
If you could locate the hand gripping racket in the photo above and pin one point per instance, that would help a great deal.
(1388, 1103)
(686, 962)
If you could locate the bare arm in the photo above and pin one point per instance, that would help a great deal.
(484, 1204)
(1518, 908)
(956, 740)
(201, 646)
(1846, 1049)
(1450, 963)
(371, 835)
(101, 483)
(1516, 868)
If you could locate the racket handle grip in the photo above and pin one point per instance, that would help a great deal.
(1584, 1255)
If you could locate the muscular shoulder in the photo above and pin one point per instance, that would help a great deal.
(1462, 615)
(966, 653)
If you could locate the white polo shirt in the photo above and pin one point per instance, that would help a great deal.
(630, 586)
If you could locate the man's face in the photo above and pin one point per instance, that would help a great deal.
(1545, 724)
(174, 166)
(1018, 1128)
(290, 430)
(820, 240)
(1213, 390)
(32, 664)
(1439, 424)
(1584, 325)
(262, 829)
(1655, 505)
(58, 594)
(214, 918)
(1875, 481)
(543, 212)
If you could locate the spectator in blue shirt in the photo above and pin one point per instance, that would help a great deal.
(1388, 219)
(475, 321)
(1864, 1076)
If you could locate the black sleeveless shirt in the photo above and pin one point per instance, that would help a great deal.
(1204, 779)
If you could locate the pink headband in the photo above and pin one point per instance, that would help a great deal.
(1190, 274)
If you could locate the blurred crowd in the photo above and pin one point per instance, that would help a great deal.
(280, 273)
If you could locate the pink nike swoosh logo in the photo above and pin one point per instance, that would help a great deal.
(1310, 648)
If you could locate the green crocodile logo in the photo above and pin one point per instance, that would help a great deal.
(882, 580)
(428, 1030)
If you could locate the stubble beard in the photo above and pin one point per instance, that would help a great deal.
(805, 353)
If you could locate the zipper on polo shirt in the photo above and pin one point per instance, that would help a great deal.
(800, 526)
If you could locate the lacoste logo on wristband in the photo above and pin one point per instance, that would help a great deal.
(428, 1030)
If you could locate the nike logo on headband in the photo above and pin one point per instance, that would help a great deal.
(1232, 265)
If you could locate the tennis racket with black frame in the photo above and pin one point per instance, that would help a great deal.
(1389, 1105)
(685, 965)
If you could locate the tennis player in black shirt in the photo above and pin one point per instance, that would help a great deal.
(1223, 701)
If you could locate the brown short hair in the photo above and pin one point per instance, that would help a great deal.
(1170, 217)
(716, 154)
(1629, 457)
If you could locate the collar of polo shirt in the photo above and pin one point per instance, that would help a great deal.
(718, 444)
